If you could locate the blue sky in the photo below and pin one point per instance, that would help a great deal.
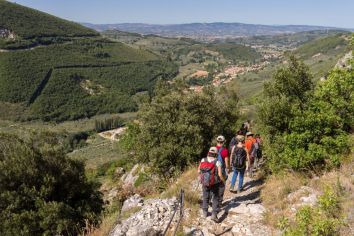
(310, 12)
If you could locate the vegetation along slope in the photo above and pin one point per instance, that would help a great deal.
(73, 78)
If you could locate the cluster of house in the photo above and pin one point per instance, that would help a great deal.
(233, 71)
(7, 34)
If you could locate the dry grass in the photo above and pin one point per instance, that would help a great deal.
(104, 229)
(277, 188)
(191, 196)
(185, 182)
(274, 195)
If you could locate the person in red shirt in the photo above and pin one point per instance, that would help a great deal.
(224, 153)
(248, 145)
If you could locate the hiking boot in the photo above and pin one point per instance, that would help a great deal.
(238, 191)
(205, 214)
(231, 189)
(215, 218)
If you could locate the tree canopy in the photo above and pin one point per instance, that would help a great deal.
(42, 192)
(177, 126)
(307, 126)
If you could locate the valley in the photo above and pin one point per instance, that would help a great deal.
(132, 107)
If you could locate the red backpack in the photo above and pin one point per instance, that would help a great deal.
(208, 173)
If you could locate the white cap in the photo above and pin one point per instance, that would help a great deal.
(213, 150)
(220, 138)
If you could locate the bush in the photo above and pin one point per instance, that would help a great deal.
(322, 220)
(42, 192)
(177, 126)
(307, 127)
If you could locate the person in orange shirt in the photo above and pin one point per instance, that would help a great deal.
(251, 149)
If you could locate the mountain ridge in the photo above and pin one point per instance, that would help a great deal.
(205, 30)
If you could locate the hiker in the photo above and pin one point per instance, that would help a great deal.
(234, 140)
(243, 130)
(259, 149)
(245, 127)
(211, 177)
(239, 158)
(251, 150)
(223, 156)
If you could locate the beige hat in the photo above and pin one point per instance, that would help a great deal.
(213, 150)
(220, 138)
(240, 138)
(249, 133)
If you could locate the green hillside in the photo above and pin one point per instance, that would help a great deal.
(322, 54)
(75, 78)
(235, 52)
(326, 45)
(29, 23)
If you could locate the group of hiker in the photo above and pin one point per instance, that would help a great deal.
(245, 153)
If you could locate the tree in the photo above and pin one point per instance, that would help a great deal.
(177, 126)
(42, 192)
(285, 95)
(315, 134)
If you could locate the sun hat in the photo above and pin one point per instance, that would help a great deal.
(240, 138)
(220, 138)
(213, 152)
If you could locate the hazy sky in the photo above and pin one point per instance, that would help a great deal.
(310, 12)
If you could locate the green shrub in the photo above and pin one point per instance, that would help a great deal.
(322, 220)
(177, 127)
(307, 127)
(42, 192)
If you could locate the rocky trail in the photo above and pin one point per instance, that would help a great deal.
(241, 214)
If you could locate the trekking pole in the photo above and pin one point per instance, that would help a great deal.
(181, 205)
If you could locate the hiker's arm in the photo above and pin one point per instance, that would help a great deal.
(248, 160)
(220, 174)
(199, 168)
(232, 153)
(227, 163)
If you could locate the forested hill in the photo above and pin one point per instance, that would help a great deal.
(29, 23)
(71, 72)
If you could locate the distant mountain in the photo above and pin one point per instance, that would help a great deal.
(207, 30)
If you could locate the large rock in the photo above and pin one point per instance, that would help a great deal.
(130, 177)
(240, 209)
(256, 209)
(152, 219)
(305, 196)
(132, 202)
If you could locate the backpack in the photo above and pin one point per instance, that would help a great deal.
(223, 165)
(239, 158)
(208, 173)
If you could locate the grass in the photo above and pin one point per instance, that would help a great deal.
(185, 182)
(335, 206)
(98, 152)
(274, 195)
